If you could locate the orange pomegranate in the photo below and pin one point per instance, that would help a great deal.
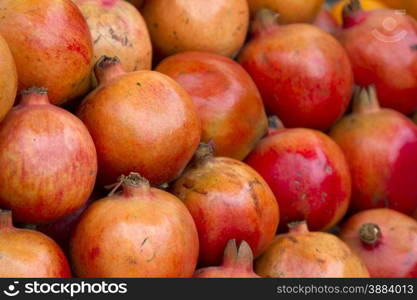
(8, 79)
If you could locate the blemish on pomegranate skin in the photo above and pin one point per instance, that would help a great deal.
(108, 3)
(77, 48)
(94, 253)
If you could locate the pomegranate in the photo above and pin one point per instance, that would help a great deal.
(227, 100)
(217, 26)
(304, 254)
(302, 72)
(47, 158)
(8, 79)
(140, 121)
(385, 240)
(380, 147)
(337, 9)
(290, 11)
(51, 45)
(28, 253)
(326, 22)
(415, 215)
(236, 263)
(228, 200)
(308, 174)
(382, 55)
(60, 231)
(118, 29)
(142, 232)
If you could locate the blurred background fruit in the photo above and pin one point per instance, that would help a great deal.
(385, 240)
(305, 254)
(8, 79)
(226, 98)
(51, 45)
(337, 9)
(327, 22)
(217, 26)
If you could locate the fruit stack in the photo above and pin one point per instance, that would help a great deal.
(222, 138)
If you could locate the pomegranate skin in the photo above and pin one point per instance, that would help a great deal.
(226, 98)
(118, 29)
(327, 22)
(8, 79)
(384, 58)
(228, 200)
(130, 113)
(390, 250)
(51, 45)
(308, 174)
(303, 73)
(48, 159)
(142, 232)
(237, 263)
(304, 254)
(28, 253)
(380, 146)
(217, 26)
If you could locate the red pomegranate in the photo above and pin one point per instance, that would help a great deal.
(142, 232)
(302, 72)
(140, 122)
(327, 22)
(60, 230)
(8, 79)
(48, 160)
(385, 240)
(415, 215)
(118, 29)
(308, 174)
(228, 200)
(304, 254)
(28, 253)
(51, 45)
(380, 146)
(382, 47)
(237, 263)
(227, 100)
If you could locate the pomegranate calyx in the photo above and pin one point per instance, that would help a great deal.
(130, 184)
(275, 123)
(264, 19)
(235, 258)
(108, 68)
(5, 219)
(365, 100)
(298, 227)
(370, 234)
(204, 152)
(349, 13)
(35, 95)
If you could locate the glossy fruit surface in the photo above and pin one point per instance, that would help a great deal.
(118, 29)
(228, 200)
(48, 160)
(141, 232)
(237, 263)
(29, 254)
(380, 146)
(227, 100)
(381, 45)
(51, 45)
(217, 26)
(302, 72)
(308, 174)
(8, 79)
(304, 254)
(385, 240)
(140, 121)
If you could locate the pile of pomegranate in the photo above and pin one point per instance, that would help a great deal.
(208, 139)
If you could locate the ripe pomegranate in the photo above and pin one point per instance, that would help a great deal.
(218, 26)
(337, 9)
(118, 29)
(228, 200)
(47, 158)
(326, 22)
(140, 121)
(142, 232)
(8, 79)
(60, 230)
(51, 45)
(301, 253)
(308, 174)
(380, 146)
(385, 240)
(382, 48)
(302, 72)
(227, 100)
(28, 253)
(290, 11)
(237, 263)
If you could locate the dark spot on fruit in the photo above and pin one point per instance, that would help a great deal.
(132, 261)
(413, 47)
(151, 258)
(320, 260)
(155, 25)
(254, 195)
(144, 241)
(138, 84)
(292, 239)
